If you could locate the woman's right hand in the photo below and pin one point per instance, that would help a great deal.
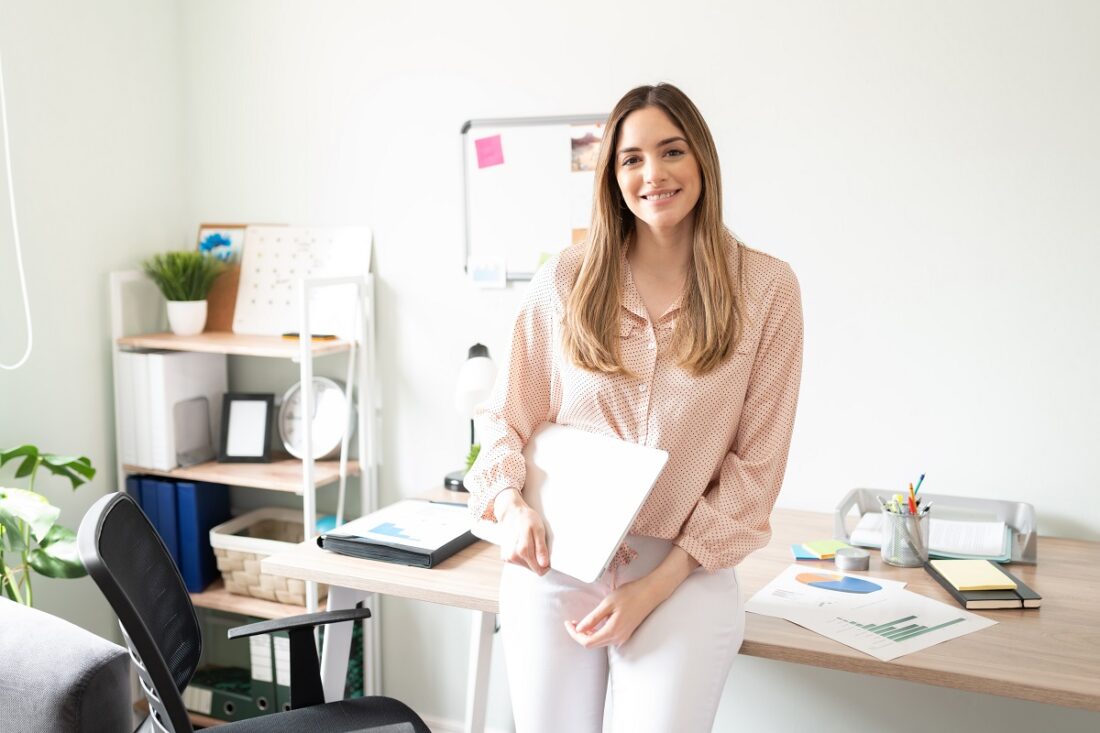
(525, 533)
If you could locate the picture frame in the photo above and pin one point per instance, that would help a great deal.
(226, 242)
(223, 241)
(247, 421)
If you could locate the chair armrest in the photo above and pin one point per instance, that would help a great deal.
(305, 671)
(306, 620)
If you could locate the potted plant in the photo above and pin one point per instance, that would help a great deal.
(29, 533)
(184, 279)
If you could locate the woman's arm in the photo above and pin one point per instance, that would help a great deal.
(527, 530)
(520, 401)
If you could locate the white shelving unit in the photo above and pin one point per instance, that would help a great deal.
(137, 324)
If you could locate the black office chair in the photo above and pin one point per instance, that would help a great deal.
(128, 561)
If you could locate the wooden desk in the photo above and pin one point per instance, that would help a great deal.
(1049, 655)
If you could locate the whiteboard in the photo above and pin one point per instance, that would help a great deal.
(528, 188)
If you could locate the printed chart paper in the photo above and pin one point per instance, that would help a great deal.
(800, 587)
(898, 624)
(874, 615)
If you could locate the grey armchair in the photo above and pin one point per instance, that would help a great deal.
(55, 676)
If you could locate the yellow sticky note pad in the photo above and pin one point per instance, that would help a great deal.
(824, 549)
(973, 575)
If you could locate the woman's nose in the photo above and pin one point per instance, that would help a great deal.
(654, 172)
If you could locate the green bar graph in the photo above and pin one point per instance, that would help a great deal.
(902, 631)
(882, 627)
(891, 631)
(925, 631)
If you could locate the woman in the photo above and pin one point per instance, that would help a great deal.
(662, 329)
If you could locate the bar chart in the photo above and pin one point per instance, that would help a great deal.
(894, 632)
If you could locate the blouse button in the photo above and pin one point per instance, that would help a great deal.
(652, 344)
(643, 388)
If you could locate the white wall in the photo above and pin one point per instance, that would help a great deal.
(93, 96)
(924, 167)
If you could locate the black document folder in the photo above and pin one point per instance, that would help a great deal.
(413, 532)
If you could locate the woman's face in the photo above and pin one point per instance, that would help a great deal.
(657, 173)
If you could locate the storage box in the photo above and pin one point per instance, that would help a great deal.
(242, 542)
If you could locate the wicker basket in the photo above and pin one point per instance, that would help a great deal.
(242, 542)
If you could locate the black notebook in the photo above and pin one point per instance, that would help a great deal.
(1021, 597)
(412, 532)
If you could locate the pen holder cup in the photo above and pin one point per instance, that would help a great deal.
(904, 539)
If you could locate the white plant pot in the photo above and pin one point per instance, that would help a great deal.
(186, 317)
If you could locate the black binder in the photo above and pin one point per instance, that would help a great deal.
(358, 538)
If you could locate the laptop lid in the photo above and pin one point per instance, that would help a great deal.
(588, 489)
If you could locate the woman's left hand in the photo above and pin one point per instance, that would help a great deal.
(622, 612)
(624, 609)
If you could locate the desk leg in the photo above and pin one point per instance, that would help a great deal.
(337, 648)
(477, 684)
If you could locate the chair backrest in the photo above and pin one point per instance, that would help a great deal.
(127, 559)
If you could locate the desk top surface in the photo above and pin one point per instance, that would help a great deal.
(1050, 654)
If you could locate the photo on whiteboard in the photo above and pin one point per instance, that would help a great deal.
(223, 241)
(586, 146)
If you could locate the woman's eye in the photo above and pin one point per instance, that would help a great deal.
(630, 160)
(675, 153)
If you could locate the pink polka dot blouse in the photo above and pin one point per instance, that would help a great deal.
(727, 432)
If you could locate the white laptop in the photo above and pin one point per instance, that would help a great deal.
(588, 489)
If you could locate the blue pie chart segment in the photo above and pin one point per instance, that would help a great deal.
(841, 583)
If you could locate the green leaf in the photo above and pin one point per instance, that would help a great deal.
(59, 560)
(30, 507)
(77, 470)
(18, 451)
(26, 468)
(57, 533)
(471, 457)
(13, 531)
(184, 275)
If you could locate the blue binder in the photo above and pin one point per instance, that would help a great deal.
(168, 526)
(133, 488)
(150, 503)
(200, 507)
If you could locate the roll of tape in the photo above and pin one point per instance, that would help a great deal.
(852, 558)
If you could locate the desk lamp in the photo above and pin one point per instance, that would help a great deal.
(475, 384)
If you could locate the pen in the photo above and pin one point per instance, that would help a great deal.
(919, 482)
(448, 503)
(912, 500)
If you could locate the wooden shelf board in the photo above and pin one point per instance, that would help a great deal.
(204, 721)
(224, 342)
(282, 474)
(217, 598)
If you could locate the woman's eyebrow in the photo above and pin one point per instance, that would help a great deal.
(661, 144)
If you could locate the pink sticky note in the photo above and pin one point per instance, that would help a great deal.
(489, 151)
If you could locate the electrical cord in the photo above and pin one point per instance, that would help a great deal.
(14, 227)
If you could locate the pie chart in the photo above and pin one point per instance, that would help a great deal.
(841, 583)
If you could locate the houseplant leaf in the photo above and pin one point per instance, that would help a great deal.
(77, 470)
(30, 507)
(13, 531)
(16, 452)
(57, 555)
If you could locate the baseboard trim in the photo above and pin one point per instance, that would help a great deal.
(439, 725)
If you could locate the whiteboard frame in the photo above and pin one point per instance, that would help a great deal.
(508, 122)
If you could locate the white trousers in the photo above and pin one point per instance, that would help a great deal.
(667, 678)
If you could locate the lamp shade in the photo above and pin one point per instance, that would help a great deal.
(475, 380)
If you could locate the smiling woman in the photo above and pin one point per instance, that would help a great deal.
(661, 329)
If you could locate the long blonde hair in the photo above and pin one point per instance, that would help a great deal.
(710, 323)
